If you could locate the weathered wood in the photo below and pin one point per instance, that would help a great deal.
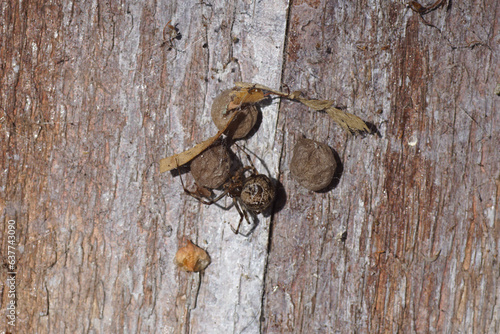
(94, 94)
(419, 204)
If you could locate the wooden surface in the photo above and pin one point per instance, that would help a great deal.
(94, 94)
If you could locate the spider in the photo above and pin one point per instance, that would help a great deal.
(170, 34)
(253, 193)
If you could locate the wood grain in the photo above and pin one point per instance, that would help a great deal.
(419, 204)
(94, 94)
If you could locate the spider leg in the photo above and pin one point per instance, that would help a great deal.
(195, 194)
(247, 153)
(247, 168)
(243, 214)
(285, 86)
(224, 193)
(202, 198)
(199, 197)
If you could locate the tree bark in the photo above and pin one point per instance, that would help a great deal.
(94, 94)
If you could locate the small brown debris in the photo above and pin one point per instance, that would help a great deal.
(191, 258)
(313, 164)
(221, 113)
(211, 168)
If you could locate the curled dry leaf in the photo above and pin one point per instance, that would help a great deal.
(244, 96)
(191, 258)
(248, 85)
(347, 121)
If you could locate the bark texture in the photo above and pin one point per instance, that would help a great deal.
(94, 94)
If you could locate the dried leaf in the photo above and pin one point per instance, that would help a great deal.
(347, 121)
(245, 96)
(248, 85)
(317, 105)
(176, 160)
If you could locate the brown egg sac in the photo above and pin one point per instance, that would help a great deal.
(211, 168)
(313, 164)
(191, 258)
(243, 122)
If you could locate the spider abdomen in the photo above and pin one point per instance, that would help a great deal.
(258, 193)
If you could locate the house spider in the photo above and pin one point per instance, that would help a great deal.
(253, 193)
